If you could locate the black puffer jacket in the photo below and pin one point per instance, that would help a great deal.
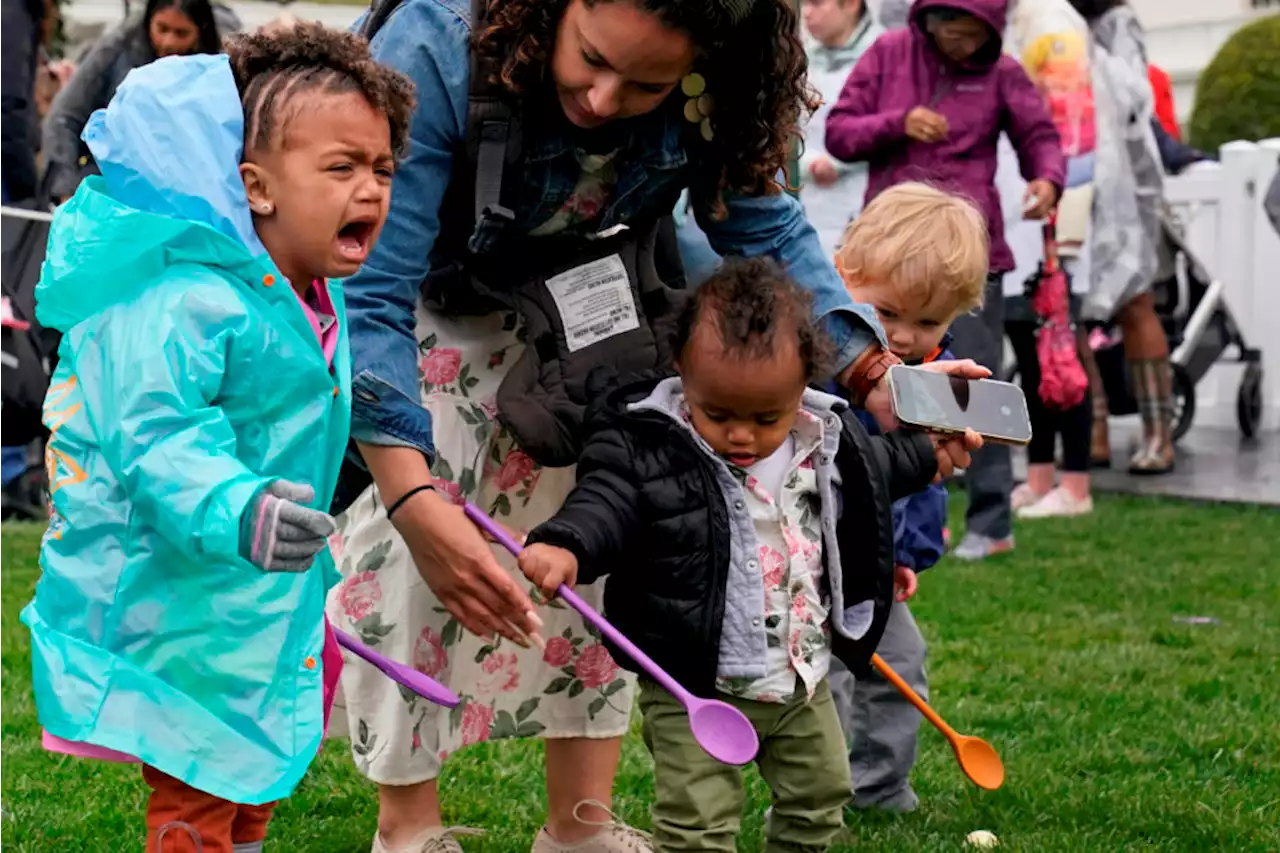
(649, 513)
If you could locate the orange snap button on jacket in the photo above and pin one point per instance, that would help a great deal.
(309, 663)
(268, 280)
(335, 390)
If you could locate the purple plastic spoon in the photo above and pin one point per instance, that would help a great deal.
(424, 685)
(719, 728)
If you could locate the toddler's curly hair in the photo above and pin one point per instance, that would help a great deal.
(751, 302)
(273, 67)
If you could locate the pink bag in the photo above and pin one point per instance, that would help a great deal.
(1063, 382)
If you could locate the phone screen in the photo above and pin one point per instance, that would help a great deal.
(996, 410)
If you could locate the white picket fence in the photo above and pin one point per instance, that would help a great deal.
(1220, 205)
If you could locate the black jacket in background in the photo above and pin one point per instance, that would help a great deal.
(649, 513)
(19, 49)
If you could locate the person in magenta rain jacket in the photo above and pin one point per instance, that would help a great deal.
(928, 103)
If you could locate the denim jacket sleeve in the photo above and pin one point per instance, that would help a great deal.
(775, 225)
(429, 42)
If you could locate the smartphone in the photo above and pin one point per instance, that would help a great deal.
(935, 401)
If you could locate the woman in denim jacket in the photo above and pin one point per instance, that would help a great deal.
(604, 88)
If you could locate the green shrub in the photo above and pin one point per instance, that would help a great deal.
(1238, 94)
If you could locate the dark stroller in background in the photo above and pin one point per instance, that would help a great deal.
(29, 356)
(1201, 331)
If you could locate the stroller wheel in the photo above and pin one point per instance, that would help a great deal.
(1184, 402)
(1249, 400)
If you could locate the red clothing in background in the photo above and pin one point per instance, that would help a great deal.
(1162, 88)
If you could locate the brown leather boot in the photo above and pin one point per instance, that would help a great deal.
(1153, 389)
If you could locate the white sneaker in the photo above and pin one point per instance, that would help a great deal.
(1024, 496)
(975, 546)
(436, 839)
(1058, 504)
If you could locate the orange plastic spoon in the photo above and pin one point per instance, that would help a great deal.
(978, 759)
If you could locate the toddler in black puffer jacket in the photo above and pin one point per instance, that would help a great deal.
(743, 521)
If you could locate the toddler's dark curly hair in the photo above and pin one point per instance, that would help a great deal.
(755, 69)
(752, 301)
(272, 68)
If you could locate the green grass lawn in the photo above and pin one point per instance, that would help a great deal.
(1121, 727)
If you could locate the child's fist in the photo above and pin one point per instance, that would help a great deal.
(548, 567)
(904, 583)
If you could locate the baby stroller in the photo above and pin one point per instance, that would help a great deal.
(1200, 328)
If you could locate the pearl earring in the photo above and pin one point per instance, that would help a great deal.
(264, 208)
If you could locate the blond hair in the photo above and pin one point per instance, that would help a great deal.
(929, 245)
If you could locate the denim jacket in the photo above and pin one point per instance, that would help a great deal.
(429, 40)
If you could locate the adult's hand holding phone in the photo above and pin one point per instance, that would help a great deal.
(951, 450)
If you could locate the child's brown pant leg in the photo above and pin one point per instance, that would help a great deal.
(177, 814)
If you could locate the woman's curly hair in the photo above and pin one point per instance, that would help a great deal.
(273, 66)
(755, 70)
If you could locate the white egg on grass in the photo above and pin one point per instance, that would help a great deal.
(982, 839)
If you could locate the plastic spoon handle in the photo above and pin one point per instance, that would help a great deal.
(423, 685)
(499, 535)
(914, 698)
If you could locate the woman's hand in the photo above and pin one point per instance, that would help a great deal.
(952, 450)
(925, 125)
(1040, 198)
(452, 556)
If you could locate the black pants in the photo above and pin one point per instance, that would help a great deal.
(989, 479)
(1074, 424)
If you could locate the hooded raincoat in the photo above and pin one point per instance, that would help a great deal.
(189, 379)
(985, 96)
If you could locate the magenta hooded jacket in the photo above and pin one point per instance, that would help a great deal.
(986, 95)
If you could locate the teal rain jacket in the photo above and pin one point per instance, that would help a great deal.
(189, 379)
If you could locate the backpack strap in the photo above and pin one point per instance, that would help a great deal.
(493, 135)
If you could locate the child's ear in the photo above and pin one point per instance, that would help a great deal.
(257, 188)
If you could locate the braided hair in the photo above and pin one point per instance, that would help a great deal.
(273, 68)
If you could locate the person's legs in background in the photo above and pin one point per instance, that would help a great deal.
(989, 479)
(1146, 348)
(881, 726)
(1037, 497)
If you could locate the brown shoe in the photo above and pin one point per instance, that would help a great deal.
(1153, 389)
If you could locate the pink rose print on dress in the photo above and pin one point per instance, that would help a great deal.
(773, 565)
(595, 667)
(358, 596)
(336, 545)
(441, 366)
(515, 468)
(429, 656)
(558, 653)
(800, 607)
(807, 464)
(501, 674)
(476, 720)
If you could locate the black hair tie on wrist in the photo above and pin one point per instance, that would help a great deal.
(425, 487)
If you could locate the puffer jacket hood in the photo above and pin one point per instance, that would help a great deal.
(991, 12)
(169, 148)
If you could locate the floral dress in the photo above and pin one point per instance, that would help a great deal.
(573, 689)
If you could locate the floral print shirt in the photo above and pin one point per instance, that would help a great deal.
(789, 534)
(589, 197)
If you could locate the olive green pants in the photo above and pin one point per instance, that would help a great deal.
(698, 801)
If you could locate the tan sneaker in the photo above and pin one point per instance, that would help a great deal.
(614, 836)
(435, 839)
(1058, 504)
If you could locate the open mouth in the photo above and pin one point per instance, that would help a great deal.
(742, 460)
(353, 240)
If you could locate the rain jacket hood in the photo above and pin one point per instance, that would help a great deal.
(195, 210)
(990, 12)
(151, 635)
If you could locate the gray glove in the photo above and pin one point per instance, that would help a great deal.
(278, 534)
